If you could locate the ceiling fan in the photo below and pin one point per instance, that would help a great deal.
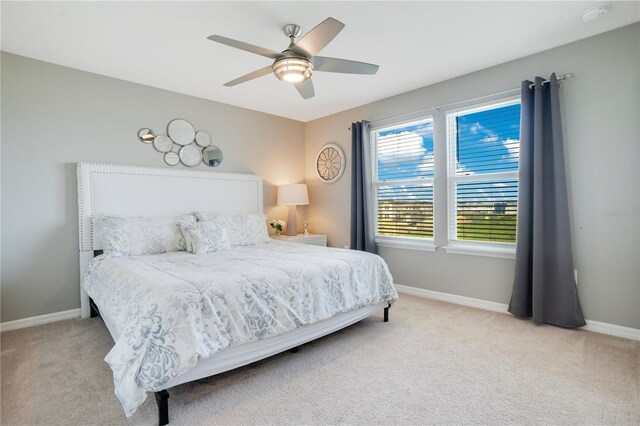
(297, 62)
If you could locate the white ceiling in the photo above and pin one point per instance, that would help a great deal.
(163, 44)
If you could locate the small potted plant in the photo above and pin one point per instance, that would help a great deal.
(278, 226)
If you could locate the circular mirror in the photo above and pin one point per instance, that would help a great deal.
(146, 135)
(181, 131)
(203, 138)
(212, 156)
(162, 143)
(171, 158)
(190, 155)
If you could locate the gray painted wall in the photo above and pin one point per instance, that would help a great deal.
(53, 117)
(602, 139)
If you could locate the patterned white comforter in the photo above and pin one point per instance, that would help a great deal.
(166, 311)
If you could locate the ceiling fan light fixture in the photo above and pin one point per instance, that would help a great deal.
(292, 69)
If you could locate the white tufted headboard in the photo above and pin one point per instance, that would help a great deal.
(156, 192)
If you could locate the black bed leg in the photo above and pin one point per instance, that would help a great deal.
(162, 398)
(93, 309)
(386, 313)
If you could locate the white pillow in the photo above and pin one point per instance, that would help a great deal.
(242, 229)
(207, 237)
(134, 236)
(187, 237)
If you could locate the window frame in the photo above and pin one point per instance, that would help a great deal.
(397, 241)
(481, 248)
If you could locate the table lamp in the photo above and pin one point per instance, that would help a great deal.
(292, 195)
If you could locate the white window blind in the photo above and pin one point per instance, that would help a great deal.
(403, 180)
(483, 151)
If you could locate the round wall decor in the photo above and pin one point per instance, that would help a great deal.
(203, 138)
(183, 144)
(330, 163)
(171, 158)
(181, 131)
(190, 155)
(162, 143)
(212, 156)
(146, 135)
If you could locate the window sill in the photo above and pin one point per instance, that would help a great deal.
(488, 250)
(406, 243)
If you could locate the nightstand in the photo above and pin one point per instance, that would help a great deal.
(313, 239)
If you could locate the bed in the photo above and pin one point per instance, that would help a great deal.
(178, 317)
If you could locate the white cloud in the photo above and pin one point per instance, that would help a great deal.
(513, 147)
(490, 139)
(403, 146)
(460, 168)
(427, 164)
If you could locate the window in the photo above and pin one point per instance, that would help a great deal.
(483, 147)
(403, 181)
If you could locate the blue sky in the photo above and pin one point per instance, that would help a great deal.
(487, 141)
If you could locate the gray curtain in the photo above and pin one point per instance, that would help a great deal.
(362, 231)
(544, 287)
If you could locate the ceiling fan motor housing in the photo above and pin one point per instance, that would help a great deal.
(292, 68)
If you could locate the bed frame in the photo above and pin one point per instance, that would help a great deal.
(151, 191)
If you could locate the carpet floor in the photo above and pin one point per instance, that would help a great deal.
(433, 363)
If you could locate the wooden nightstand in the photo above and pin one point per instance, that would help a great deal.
(313, 239)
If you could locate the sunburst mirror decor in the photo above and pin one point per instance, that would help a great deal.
(330, 163)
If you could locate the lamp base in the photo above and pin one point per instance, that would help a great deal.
(292, 226)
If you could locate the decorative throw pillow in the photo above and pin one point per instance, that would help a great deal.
(187, 237)
(134, 236)
(185, 222)
(242, 229)
(207, 237)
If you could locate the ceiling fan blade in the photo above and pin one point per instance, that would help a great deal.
(255, 74)
(245, 46)
(305, 88)
(315, 40)
(321, 63)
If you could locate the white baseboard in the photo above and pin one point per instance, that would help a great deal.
(453, 298)
(612, 329)
(595, 326)
(39, 320)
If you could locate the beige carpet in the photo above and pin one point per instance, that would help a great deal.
(434, 363)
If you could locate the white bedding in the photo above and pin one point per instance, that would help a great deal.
(168, 310)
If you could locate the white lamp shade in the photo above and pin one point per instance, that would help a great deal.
(293, 194)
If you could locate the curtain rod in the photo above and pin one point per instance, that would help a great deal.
(565, 76)
(509, 92)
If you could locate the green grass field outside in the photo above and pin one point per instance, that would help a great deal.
(478, 221)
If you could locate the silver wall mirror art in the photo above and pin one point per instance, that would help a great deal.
(172, 158)
(162, 143)
(212, 156)
(190, 145)
(181, 131)
(203, 138)
(146, 135)
(190, 155)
